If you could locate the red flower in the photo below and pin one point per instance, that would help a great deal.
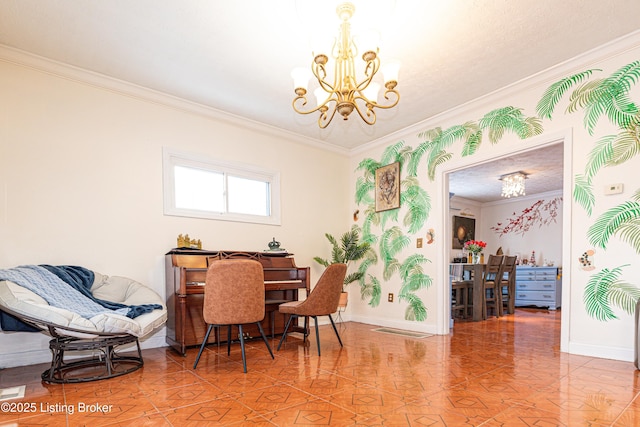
(475, 246)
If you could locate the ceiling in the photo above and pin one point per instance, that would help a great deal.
(236, 56)
(482, 184)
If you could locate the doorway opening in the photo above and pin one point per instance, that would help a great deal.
(475, 192)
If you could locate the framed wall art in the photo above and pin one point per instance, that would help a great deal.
(463, 229)
(388, 187)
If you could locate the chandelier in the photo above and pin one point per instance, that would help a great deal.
(513, 184)
(345, 93)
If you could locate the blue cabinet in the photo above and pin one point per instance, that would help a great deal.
(538, 286)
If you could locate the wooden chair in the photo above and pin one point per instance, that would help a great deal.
(461, 298)
(321, 301)
(491, 279)
(507, 286)
(234, 295)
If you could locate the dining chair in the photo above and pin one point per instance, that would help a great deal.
(321, 301)
(233, 295)
(491, 278)
(459, 299)
(507, 286)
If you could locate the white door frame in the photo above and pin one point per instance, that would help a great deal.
(442, 244)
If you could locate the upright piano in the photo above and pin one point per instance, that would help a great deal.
(186, 271)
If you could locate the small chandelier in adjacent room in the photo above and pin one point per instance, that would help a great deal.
(513, 184)
(345, 93)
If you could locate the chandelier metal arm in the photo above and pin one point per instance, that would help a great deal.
(320, 73)
(346, 93)
(394, 99)
(370, 116)
(324, 119)
(303, 98)
(370, 71)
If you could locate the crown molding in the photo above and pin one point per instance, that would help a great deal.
(39, 63)
(590, 58)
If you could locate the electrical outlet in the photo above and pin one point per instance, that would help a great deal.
(390, 298)
(419, 242)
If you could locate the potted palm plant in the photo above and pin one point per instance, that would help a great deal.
(346, 250)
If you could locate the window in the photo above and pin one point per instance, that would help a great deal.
(203, 188)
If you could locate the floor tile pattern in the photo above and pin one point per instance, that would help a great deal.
(505, 371)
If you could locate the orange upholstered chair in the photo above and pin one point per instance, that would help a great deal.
(234, 295)
(321, 301)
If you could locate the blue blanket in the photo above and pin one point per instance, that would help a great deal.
(65, 287)
(81, 279)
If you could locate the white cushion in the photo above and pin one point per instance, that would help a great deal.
(116, 289)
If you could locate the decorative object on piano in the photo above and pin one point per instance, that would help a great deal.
(387, 187)
(274, 246)
(475, 247)
(345, 251)
(186, 242)
(532, 260)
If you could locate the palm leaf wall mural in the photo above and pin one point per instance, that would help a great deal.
(417, 202)
(605, 289)
(372, 290)
(392, 240)
(599, 98)
(623, 220)
(556, 91)
(605, 98)
(415, 309)
(413, 280)
(496, 123)
(510, 118)
(583, 193)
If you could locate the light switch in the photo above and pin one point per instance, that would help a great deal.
(613, 189)
(419, 242)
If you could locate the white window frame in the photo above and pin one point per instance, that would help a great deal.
(172, 158)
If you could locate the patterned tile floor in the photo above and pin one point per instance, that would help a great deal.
(500, 372)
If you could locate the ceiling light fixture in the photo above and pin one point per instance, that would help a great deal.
(346, 94)
(513, 184)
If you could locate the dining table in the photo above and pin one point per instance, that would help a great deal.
(475, 273)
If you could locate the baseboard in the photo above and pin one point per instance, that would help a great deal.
(43, 355)
(31, 357)
(405, 325)
(614, 353)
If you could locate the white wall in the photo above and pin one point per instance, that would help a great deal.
(581, 333)
(81, 184)
(544, 239)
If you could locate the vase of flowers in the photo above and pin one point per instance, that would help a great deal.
(475, 247)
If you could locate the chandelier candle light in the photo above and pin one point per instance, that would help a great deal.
(475, 247)
(513, 184)
(345, 93)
